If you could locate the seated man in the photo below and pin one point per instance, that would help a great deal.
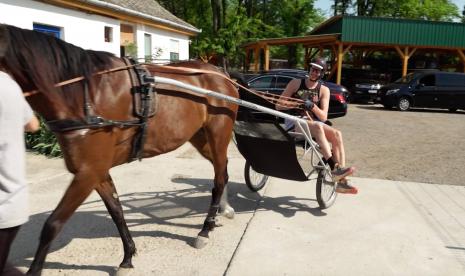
(316, 103)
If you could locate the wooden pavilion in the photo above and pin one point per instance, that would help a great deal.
(341, 34)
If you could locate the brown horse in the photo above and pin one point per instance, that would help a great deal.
(38, 62)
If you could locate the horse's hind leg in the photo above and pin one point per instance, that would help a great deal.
(77, 192)
(214, 148)
(107, 192)
(199, 141)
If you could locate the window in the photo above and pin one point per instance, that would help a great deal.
(261, 83)
(282, 82)
(108, 34)
(451, 80)
(174, 50)
(428, 80)
(148, 47)
(47, 29)
(174, 56)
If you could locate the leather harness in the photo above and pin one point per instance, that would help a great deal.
(144, 102)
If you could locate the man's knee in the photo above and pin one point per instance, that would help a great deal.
(317, 127)
(338, 135)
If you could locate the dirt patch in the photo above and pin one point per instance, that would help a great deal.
(420, 145)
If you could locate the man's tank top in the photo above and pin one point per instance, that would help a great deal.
(313, 94)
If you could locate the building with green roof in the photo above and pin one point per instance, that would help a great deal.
(340, 34)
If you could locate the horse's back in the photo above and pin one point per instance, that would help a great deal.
(183, 113)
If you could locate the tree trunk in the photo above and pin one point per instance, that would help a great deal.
(292, 54)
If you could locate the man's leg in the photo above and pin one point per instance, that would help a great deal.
(318, 133)
(7, 236)
(334, 136)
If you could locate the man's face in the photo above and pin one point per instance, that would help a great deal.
(314, 73)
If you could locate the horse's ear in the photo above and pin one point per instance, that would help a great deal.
(4, 38)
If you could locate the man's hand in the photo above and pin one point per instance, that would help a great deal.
(308, 105)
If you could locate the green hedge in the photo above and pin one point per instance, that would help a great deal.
(43, 141)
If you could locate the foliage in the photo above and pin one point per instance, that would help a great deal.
(43, 141)
(130, 49)
(227, 24)
(434, 10)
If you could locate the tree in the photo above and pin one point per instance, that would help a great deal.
(434, 10)
(463, 14)
(296, 19)
(226, 24)
(341, 7)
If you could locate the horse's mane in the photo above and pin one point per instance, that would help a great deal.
(44, 59)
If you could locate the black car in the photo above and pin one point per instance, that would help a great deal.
(275, 81)
(363, 84)
(434, 89)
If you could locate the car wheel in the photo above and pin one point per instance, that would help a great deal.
(403, 104)
(452, 109)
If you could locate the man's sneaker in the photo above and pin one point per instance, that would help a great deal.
(339, 173)
(343, 187)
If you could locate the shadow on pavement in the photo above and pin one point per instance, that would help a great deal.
(142, 208)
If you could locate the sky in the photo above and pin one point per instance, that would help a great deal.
(325, 5)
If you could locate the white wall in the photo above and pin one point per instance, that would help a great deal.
(86, 30)
(161, 39)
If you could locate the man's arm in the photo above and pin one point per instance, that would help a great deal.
(32, 125)
(291, 88)
(322, 111)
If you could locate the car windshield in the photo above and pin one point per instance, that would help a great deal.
(406, 79)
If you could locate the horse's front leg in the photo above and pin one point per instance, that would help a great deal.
(107, 192)
(79, 189)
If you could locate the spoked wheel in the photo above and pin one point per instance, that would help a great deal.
(325, 190)
(254, 180)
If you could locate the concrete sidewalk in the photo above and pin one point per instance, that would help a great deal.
(389, 228)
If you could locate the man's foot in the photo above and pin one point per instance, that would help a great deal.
(339, 173)
(343, 187)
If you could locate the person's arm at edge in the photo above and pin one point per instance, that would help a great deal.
(291, 88)
(322, 112)
(32, 125)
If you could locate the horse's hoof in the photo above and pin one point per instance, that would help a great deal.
(228, 212)
(121, 271)
(200, 242)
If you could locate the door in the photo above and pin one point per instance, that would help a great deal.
(424, 92)
(451, 87)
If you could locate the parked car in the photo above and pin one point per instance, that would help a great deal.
(275, 81)
(433, 89)
(363, 84)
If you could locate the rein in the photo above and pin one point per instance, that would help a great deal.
(278, 100)
(77, 79)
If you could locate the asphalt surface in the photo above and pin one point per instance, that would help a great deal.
(389, 228)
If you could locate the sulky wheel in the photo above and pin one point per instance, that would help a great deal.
(254, 180)
(325, 190)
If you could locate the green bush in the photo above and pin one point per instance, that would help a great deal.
(43, 142)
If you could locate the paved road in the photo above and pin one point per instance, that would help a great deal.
(390, 228)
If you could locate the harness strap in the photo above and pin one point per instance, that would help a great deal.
(147, 97)
(77, 79)
(272, 98)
